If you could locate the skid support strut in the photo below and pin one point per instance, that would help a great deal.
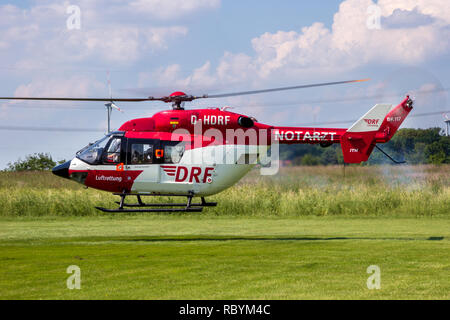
(141, 206)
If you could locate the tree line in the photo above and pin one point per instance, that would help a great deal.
(34, 162)
(415, 146)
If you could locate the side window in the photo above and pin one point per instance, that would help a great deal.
(173, 151)
(141, 153)
(112, 154)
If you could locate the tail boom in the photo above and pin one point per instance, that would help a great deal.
(296, 135)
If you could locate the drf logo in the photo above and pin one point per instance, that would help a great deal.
(372, 122)
(74, 281)
(374, 281)
(185, 174)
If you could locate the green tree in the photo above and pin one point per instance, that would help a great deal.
(418, 156)
(34, 162)
(415, 146)
(329, 156)
(438, 152)
(310, 160)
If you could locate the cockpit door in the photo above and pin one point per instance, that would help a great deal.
(142, 163)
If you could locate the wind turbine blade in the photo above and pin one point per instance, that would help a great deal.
(116, 107)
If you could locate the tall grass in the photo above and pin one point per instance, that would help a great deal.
(295, 191)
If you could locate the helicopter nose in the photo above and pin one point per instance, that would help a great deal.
(62, 170)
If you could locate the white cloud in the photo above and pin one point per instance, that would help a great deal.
(123, 44)
(158, 36)
(112, 31)
(169, 75)
(80, 86)
(406, 19)
(360, 45)
(235, 68)
(316, 50)
(48, 86)
(164, 9)
(171, 78)
(438, 9)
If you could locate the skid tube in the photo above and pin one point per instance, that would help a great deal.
(164, 207)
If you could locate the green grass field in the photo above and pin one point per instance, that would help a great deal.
(254, 245)
(223, 258)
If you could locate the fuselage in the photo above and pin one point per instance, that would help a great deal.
(199, 152)
(202, 152)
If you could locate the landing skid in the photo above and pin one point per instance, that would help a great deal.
(164, 207)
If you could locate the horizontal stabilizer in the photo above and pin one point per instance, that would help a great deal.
(372, 120)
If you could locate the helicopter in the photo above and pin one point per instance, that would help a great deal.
(201, 152)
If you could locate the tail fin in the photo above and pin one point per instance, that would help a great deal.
(378, 125)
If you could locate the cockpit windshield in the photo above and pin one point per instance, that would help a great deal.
(93, 152)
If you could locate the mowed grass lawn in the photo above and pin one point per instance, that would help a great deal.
(175, 257)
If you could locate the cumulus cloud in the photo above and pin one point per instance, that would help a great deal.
(359, 44)
(122, 44)
(406, 19)
(48, 86)
(171, 78)
(164, 9)
(112, 31)
(81, 86)
(316, 50)
(438, 9)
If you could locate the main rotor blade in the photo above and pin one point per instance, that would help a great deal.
(82, 99)
(345, 99)
(183, 98)
(233, 94)
(50, 129)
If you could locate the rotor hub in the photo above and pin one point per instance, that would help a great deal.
(177, 94)
(177, 98)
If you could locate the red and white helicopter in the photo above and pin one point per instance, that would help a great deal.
(201, 152)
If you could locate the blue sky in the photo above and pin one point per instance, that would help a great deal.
(153, 47)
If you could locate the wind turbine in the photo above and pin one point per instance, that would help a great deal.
(447, 122)
(110, 105)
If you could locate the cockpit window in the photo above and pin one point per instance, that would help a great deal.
(112, 155)
(92, 153)
(141, 153)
